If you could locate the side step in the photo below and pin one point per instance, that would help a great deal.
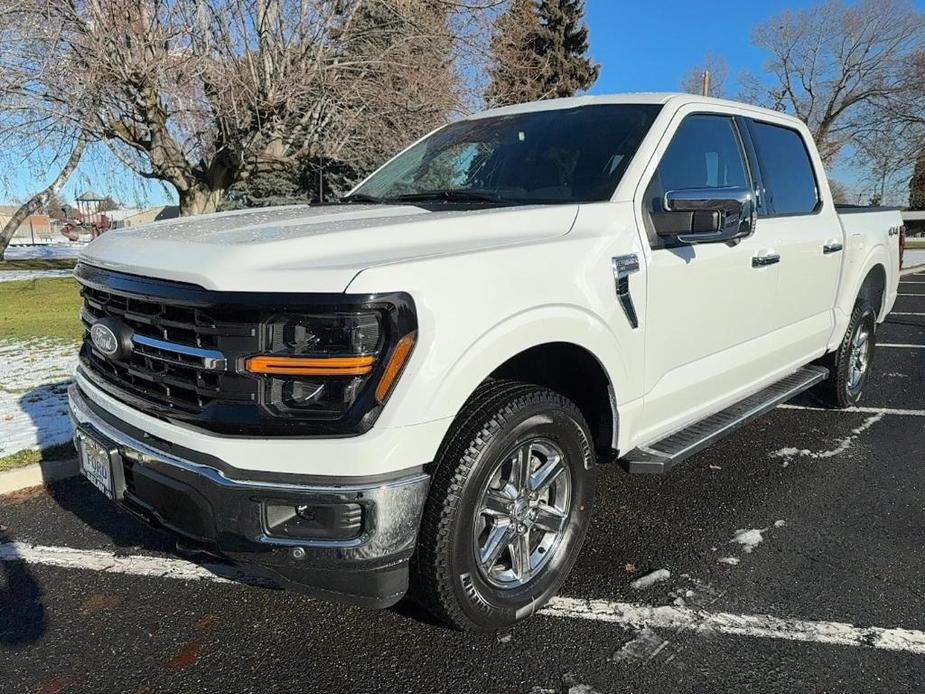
(671, 450)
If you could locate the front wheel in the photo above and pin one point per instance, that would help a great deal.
(850, 364)
(508, 509)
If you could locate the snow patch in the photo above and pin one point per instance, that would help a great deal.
(19, 275)
(651, 579)
(789, 453)
(644, 646)
(34, 377)
(749, 538)
(58, 250)
(732, 561)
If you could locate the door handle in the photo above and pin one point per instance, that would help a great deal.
(832, 248)
(765, 260)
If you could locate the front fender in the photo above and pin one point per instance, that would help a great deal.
(444, 379)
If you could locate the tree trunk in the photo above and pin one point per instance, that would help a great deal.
(200, 199)
(917, 184)
(36, 202)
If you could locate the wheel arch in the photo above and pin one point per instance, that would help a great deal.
(524, 347)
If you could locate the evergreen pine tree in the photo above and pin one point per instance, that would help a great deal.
(538, 51)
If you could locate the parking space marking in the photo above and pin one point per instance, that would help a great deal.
(757, 626)
(901, 294)
(863, 410)
(899, 346)
(132, 565)
(625, 614)
(903, 313)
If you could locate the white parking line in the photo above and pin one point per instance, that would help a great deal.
(758, 626)
(900, 346)
(624, 614)
(901, 294)
(132, 565)
(863, 410)
(902, 313)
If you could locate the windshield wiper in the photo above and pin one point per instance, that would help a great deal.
(363, 197)
(448, 195)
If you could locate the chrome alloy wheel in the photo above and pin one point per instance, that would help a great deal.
(522, 513)
(859, 360)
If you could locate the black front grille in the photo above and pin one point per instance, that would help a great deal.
(182, 356)
(188, 345)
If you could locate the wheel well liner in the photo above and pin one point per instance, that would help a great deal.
(574, 372)
(874, 286)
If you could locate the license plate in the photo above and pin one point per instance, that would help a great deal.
(96, 464)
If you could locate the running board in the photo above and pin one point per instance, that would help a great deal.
(671, 450)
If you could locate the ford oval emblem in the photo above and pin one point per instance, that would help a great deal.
(104, 339)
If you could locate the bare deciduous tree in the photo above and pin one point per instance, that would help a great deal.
(830, 62)
(713, 65)
(206, 93)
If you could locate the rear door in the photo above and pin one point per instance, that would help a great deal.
(804, 228)
(707, 304)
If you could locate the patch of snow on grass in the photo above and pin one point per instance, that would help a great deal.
(58, 250)
(651, 579)
(34, 377)
(732, 561)
(19, 275)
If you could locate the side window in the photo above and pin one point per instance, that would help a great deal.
(704, 153)
(789, 181)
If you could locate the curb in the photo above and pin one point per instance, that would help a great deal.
(37, 474)
(912, 270)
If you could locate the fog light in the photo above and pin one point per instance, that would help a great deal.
(336, 521)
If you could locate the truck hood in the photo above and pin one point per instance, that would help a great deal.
(314, 249)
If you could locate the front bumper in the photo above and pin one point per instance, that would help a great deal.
(340, 539)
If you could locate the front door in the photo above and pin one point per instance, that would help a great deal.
(707, 309)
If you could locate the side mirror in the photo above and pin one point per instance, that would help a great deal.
(715, 214)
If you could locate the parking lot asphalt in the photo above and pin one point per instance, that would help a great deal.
(776, 539)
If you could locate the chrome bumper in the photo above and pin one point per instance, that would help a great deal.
(328, 537)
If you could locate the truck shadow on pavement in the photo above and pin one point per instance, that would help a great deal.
(22, 613)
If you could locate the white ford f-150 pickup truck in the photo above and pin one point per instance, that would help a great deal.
(410, 389)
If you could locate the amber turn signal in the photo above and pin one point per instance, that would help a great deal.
(394, 366)
(309, 366)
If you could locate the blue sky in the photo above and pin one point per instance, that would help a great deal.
(642, 45)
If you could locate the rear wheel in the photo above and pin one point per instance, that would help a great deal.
(508, 508)
(850, 363)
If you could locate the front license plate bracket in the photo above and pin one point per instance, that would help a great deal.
(101, 463)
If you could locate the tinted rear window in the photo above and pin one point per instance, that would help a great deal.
(790, 185)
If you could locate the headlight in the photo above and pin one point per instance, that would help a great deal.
(320, 365)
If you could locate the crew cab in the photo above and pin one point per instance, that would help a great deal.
(410, 389)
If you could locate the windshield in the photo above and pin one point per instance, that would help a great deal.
(557, 156)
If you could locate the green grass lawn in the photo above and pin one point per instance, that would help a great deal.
(62, 451)
(46, 309)
(38, 264)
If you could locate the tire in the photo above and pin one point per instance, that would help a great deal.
(849, 365)
(480, 501)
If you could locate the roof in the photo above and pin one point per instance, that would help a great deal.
(91, 196)
(676, 98)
